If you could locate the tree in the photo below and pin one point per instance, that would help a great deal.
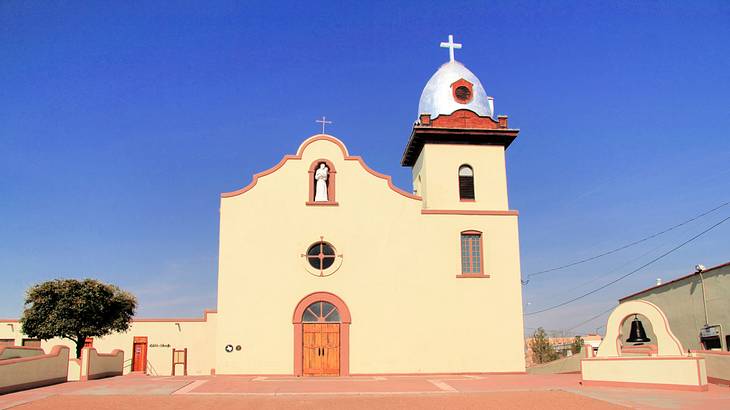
(542, 350)
(577, 345)
(75, 310)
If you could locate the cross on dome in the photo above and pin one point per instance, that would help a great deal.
(324, 122)
(451, 46)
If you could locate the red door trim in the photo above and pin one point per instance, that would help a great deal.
(140, 340)
(345, 320)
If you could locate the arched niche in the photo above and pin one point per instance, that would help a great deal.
(667, 344)
(331, 183)
(640, 349)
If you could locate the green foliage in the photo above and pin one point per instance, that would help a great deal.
(577, 345)
(542, 350)
(75, 310)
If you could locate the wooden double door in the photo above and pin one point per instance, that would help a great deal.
(321, 349)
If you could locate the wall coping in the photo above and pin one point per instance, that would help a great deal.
(55, 352)
(206, 312)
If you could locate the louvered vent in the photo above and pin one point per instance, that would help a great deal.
(466, 183)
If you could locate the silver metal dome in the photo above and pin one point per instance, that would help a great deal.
(437, 97)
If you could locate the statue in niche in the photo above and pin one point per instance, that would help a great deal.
(320, 179)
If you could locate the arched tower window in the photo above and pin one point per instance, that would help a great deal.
(322, 175)
(466, 183)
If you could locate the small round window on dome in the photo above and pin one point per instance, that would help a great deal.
(462, 93)
(439, 95)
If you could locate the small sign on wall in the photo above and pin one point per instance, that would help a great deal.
(710, 331)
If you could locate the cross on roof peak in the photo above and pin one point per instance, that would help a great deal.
(324, 122)
(451, 46)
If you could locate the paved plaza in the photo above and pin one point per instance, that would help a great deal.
(561, 391)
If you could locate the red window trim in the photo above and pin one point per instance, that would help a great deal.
(330, 184)
(462, 82)
(322, 203)
(481, 273)
(458, 183)
(321, 256)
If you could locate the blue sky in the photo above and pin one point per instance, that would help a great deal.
(121, 123)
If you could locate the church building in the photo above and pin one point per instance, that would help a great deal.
(328, 269)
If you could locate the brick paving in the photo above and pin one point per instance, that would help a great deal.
(426, 392)
(536, 400)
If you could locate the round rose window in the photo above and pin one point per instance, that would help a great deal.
(321, 259)
(321, 255)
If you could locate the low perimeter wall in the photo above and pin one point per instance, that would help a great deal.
(570, 364)
(95, 365)
(34, 371)
(564, 365)
(16, 352)
(676, 373)
(718, 365)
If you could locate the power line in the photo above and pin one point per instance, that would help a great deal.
(628, 245)
(588, 320)
(555, 296)
(630, 273)
(581, 323)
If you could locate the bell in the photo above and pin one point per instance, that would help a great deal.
(638, 335)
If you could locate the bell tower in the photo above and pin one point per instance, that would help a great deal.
(456, 148)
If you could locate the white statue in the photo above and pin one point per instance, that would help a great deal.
(320, 176)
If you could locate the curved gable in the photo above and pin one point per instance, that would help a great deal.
(300, 152)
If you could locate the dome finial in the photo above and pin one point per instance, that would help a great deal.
(451, 46)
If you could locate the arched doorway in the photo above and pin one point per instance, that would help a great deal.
(321, 336)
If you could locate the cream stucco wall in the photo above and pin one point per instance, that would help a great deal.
(398, 272)
(74, 370)
(718, 364)
(438, 165)
(195, 334)
(682, 371)
(409, 312)
(419, 179)
(669, 366)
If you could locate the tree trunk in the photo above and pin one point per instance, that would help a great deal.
(80, 342)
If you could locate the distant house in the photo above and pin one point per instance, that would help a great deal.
(593, 340)
(562, 345)
(697, 307)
